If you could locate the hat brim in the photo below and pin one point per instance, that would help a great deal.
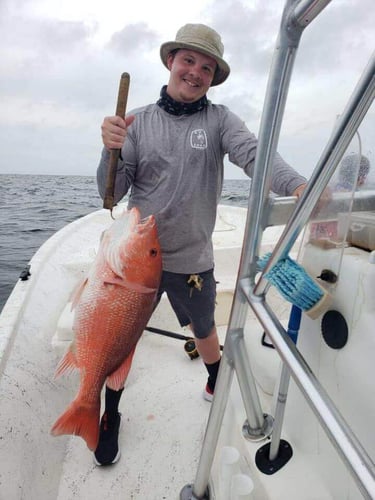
(222, 70)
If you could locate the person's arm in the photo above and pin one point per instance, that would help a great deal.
(286, 181)
(114, 133)
(299, 190)
(241, 145)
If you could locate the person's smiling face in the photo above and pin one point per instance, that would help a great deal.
(191, 75)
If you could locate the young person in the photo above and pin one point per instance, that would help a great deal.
(171, 160)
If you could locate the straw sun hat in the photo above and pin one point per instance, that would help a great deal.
(202, 39)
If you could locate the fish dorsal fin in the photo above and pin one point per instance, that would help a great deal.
(116, 379)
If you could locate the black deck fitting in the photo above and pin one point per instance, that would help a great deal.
(334, 329)
(269, 467)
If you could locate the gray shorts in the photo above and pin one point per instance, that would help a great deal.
(191, 305)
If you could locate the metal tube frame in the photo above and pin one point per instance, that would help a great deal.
(344, 131)
(346, 443)
(296, 15)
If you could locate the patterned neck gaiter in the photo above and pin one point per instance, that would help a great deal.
(180, 108)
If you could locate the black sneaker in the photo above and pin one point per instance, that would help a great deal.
(107, 451)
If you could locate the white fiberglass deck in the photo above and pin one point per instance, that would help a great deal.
(164, 414)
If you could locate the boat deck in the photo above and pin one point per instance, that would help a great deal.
(163, 421)
(164, 416)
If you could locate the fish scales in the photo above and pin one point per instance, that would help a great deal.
(112, 309)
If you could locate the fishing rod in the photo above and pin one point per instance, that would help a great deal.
(190, 347)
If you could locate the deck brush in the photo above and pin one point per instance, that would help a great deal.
(296, 285)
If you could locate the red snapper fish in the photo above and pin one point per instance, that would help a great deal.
(112, 308)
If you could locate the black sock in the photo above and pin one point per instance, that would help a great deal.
(112, 400)
(212, 374)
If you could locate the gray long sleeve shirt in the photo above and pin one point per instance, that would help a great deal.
(174, 168)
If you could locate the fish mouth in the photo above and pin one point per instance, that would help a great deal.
(141, 224)
(145, 224)
(116, 245)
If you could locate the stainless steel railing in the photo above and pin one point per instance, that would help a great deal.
(297, 15)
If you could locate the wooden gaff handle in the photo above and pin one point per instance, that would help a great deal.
(115, 153)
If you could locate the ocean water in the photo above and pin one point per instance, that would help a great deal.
(33, 207)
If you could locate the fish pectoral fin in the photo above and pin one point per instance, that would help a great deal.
(116, 380)
(117, 280)
(77, 292)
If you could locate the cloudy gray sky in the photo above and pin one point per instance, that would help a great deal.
(61, 63)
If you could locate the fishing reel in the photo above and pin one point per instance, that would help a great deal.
(191, 349)
(189, 346)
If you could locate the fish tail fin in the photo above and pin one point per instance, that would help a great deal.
(79, 420)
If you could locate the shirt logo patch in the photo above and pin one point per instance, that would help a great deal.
(198, 139)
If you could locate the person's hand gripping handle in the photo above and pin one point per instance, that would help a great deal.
(115, 153)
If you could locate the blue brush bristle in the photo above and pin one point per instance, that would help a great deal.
(293, 283)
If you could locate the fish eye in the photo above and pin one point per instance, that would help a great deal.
(153, 252)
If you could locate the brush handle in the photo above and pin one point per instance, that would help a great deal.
(294, 322)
